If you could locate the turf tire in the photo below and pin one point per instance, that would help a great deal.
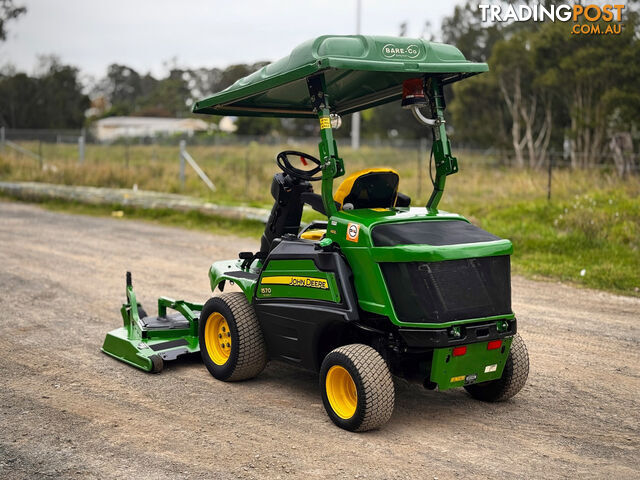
(374, 387)
(514, 376)
(248, 355)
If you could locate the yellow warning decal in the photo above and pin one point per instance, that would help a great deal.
(325, 122)
(308, 282)
(458, 379)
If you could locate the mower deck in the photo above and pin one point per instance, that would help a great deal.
(147, 341)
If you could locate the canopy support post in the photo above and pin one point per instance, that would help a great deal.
(446, 164)
(332, 165)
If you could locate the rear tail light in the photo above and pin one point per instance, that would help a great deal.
(413, 93)
(494, 344)
(459, 351)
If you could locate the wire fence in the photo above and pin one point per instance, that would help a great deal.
(49, 149)
(86, 138)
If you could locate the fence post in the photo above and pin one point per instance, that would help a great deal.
(2, 139)
(246, 170)
(154, 151)
(549, 177)
(81, 149)
(183, 146)
(40, 153)
(126, 152)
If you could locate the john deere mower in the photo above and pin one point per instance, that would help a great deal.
(379, 288)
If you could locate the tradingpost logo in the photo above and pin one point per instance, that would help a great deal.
(587, 19)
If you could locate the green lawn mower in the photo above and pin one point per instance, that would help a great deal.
(377, 289)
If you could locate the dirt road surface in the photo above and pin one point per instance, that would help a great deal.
(69, 411)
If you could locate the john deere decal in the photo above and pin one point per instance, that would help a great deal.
(308, 282)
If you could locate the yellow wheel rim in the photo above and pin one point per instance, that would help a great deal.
(341, 392)
(217, 338)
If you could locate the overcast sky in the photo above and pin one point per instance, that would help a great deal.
(145, 34)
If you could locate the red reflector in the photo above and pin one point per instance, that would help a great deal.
(459, 351)
(413, 93)
(494, 344)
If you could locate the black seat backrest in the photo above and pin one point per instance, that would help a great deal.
(369, 188)
(287, 209)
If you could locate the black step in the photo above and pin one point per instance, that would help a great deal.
(170, 344)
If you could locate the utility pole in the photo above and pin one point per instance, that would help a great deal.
(355, 117)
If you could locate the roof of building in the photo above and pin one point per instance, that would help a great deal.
(158, 122)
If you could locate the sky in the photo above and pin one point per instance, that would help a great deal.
(149, 35)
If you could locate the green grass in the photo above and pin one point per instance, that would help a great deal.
(587, 241)
(592, 222)
(588, 234)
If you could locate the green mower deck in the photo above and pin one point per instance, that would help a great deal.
(146, 341)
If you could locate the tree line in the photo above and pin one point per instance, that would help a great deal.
(547, 91)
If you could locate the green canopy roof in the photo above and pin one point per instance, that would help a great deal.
(360, 72)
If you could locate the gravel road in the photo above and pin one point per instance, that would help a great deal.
(69, 411)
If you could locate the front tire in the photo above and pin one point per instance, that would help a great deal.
(357, 388)
(231, 342)
(514, 376)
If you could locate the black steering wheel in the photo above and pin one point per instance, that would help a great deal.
(282, 159)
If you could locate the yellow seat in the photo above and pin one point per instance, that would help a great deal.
(315, 234)
(369, 188)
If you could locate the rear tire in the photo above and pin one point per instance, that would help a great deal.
(242, 354)
(357, 388)
(514, 376)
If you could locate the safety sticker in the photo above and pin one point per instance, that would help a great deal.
(491, 368)
(457, 379)
(325, 122)
(353, 232)
(308, 282)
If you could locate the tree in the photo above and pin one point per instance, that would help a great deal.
(203, 81)
(547, 85)
(169, 97)
(54, 99)
(123, 87)
(250, 125)
(257, 126)
(17, 91)
(479, 116)
(8, 11)
(61, 102)
(465, 29)
(528, 106)
(388, 121)
(595, 79)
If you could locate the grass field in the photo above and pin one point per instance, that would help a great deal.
(588, 234)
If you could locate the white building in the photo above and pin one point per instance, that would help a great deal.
(228, 124)
(111, 128)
